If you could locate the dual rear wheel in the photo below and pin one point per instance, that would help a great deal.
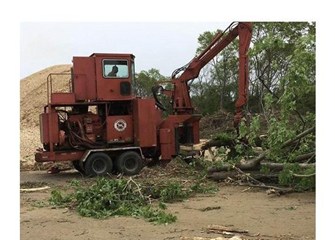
(129, 163)
(99, 164)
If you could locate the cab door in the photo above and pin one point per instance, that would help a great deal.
(114, 78)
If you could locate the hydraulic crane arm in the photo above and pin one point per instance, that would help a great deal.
(180, 95)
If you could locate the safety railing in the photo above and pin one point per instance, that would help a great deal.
(60, 78)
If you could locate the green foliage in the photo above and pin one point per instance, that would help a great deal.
(236, 147)
(40, 204)
(282, 88)
(205, 98)
(243, 129)
(145, 80)
(298, 178)
(265, 170)
(283, 59)
(122, 197)
(156, 216)
(162, 205)
(281, 62)
(171, 192)
(255, 128)
(292, 107)
(278, 133)
(250, 131)
(59, 199)
(202, 187)
(109, 197)
(175, 191)
(226, 138)
(216, 88)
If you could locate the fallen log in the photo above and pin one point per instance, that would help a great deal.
(299, 136)
(230, 142)
(303, 175)
(257, 163)
(226, 229)
(304, 157)
(219, 143)
(280, 166)
(271, 189)
(219, 176)
(34, 189)
(222, 175)
(243, 165)
(255, 178)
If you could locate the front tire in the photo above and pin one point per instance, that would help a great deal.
(98, 164)
(78, 166)
(129, 163)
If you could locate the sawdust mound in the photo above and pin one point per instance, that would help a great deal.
(33, 94)
(33, 97)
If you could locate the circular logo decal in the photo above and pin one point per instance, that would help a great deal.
(120, 125)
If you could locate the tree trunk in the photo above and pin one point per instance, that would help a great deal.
(272, 177)
(280, 166)
(243, 165)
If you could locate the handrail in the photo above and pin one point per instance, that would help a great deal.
(49, 83)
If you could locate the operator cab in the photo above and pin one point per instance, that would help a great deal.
(103, 77)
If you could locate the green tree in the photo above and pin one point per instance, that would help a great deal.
(217, 85)
(273, 56)
(290, 107)
(275, 46)
(283, 80)
(145, 80)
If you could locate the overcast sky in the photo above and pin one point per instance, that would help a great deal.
(161, 45)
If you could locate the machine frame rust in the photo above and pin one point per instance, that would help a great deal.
(101, 126)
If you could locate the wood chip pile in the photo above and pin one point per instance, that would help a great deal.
(33, 97)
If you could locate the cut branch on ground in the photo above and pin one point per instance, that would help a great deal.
(299, 136)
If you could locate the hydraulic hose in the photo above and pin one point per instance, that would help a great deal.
(155, 90)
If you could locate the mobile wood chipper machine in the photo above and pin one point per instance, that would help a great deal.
(101, 126)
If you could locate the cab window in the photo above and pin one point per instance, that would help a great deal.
(115, 69)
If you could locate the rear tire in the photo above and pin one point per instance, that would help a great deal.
(129, 163)
(98, 164)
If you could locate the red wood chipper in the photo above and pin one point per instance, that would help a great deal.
(101, 126)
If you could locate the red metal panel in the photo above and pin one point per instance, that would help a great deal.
(196, 137)
(145, 121)
(62, 98)
(58, 156)
(46, 128)
(84, 79)
(120, 129)
(165, 138)
(167, 132)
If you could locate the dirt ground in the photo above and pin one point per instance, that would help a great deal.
(290, 216)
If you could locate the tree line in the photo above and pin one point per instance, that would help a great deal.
(281, 63)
